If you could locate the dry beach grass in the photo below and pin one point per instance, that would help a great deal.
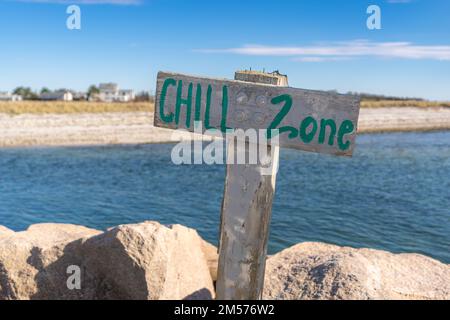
(404, 103)
(61, 107)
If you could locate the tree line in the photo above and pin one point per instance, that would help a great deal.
(28, 94)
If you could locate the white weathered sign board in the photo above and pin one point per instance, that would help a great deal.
(309, 120)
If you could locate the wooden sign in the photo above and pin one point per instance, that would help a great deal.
(308, 120)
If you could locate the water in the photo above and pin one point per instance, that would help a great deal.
(394, 194)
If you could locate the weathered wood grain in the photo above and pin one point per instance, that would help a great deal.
(245, 223)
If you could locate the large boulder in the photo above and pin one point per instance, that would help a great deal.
(324, 271)
(33, 263)
(140, 261)
(149, 261)
(212, 258)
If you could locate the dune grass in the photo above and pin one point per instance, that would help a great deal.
(62, 107)
(402, 103)
(44, 107)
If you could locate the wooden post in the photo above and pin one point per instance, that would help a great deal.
(246, 215)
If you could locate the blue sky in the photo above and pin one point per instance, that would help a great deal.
(320, 44)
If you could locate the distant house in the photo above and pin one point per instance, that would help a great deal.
(126, 95)
(79, 96)
(109, 92)
(62, 95)
(6, 96)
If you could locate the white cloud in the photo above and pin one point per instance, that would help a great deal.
(345, 50)
(68, 2)
(320, 59)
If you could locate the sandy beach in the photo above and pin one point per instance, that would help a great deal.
(137, 127)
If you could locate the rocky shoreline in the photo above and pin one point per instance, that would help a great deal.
(152, 261)
(137, 127)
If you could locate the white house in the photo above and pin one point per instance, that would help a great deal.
(126, 95)
(79, 96)
(63, 95)
(109, 92)
(6, 96)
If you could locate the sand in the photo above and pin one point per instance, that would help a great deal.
(137, 127)
(403, 119)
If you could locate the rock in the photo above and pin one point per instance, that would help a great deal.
(149, 261)
(212, 258)
(140, 261)
(33, 263)
(152, 261)
(324, 271)
(5, 232)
